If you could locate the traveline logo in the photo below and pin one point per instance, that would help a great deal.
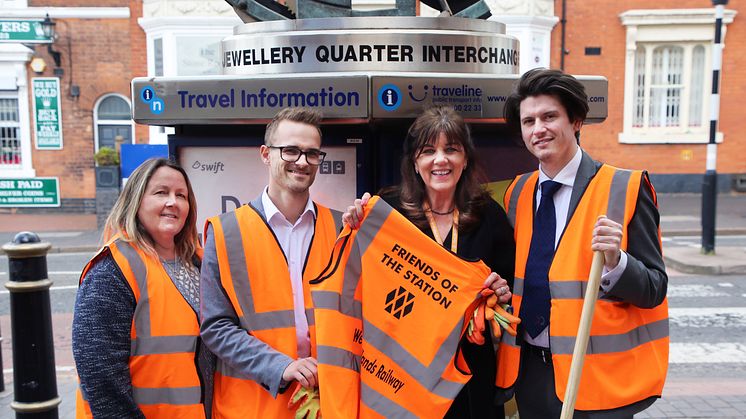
(233, 98)
(147, 95)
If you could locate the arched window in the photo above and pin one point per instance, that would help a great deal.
(113, 118)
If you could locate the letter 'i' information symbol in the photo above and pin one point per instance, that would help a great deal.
(389, 97)
(399, 302)
(147, 95)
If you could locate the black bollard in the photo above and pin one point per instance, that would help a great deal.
(34, 378)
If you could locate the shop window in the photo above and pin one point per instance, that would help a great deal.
(113, 118)
(667, 75)
(10, 130)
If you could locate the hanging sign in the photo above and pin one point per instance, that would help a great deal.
(48, 126)
(26, 31)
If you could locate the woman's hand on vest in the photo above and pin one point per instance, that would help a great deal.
(304, 371)
(607, 238)
(499, 286)
(354, 213)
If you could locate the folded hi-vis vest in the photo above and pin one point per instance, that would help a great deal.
(165, 335)
(389, 313)
(255, 276)
(627, 355)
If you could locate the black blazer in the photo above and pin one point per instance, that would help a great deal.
(644, 282)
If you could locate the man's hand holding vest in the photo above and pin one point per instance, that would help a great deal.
(303, 370)
(306, 402)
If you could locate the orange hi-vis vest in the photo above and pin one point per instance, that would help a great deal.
(165, 336)
(255, 276)
(627, 356)
(389, 314)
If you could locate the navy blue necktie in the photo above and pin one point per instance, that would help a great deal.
(536, 298)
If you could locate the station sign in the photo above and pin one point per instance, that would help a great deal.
(473, 97)
(386, 44)
(229, 100)
(48, 125)
(220, 99)
(25, 31)
(30, 192)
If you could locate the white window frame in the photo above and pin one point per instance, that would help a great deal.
(13, 61)
(97, 121)
(169, 29)
(685, 28)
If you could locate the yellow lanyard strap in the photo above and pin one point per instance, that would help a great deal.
(434, 227)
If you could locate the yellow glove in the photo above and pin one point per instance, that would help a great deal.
(306, 403)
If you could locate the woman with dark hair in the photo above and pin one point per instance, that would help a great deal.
(441, 194)
(135, 324)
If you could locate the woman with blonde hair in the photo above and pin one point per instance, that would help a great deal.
(135, 325)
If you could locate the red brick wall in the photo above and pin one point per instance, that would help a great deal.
(106, 54)
(597, 24)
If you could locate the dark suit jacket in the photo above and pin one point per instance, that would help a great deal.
(644, 281)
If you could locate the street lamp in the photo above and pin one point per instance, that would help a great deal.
(48, 27)
(709, 184)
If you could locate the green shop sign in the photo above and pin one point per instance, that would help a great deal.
(48, 127)
(26, 31)
(30, 192)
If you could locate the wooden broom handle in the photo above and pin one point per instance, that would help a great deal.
(581, 341)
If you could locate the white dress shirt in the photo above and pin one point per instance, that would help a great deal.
(566, 177)
(294, 240)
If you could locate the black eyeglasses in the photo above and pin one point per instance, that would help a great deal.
(291, 154)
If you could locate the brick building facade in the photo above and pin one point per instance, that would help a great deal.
(101, 48)
(657, 58)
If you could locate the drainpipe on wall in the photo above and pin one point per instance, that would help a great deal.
(563, 21)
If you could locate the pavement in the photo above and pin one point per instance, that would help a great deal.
(680, 217)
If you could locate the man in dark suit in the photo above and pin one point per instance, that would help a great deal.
(563, 212)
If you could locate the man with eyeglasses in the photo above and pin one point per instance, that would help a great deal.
(256, 310)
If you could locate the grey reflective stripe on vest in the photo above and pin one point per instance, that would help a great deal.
(152, 345)
(338, 357)
(604, 344)
(372, 225)
(429, 377)
(508, 339)
(330, 300)
(183, 396)
(568, 290)
(145, 344)
(618, 195)
(345, 302)
(513, 203)
(251, 320)
(142, 308)
(337, 217)
(518, 286)
(383, 405)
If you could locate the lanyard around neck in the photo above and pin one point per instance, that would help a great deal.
(434, 227)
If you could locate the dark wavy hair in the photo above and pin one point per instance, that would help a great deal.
(541, 81)
(470, 196)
